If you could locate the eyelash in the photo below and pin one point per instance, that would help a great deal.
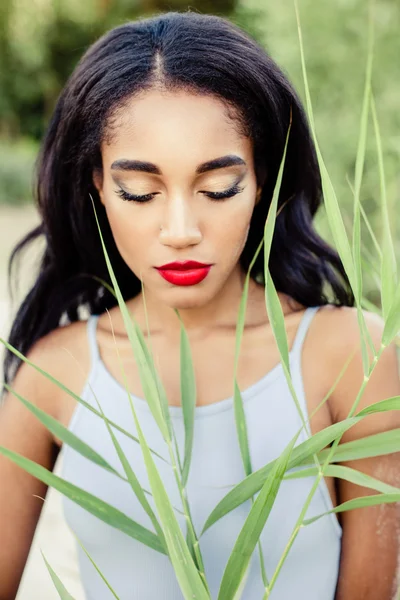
(215, 196)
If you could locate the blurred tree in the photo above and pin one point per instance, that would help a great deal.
(35, 64)
(41, 42)
(204, 6)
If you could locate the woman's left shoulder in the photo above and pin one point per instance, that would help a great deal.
(340, 330)
(340, 325)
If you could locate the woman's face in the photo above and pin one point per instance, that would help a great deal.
(177, 149)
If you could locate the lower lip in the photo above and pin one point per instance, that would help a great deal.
(186, 277)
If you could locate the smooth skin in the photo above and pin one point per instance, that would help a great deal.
(177, 132)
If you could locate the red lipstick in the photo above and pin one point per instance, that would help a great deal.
(187, 272)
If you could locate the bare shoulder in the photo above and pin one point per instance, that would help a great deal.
(64, 354)
(339, 334)
(340, 329)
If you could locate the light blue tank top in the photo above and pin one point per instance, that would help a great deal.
(137, 572)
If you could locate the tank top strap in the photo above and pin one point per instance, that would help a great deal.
(297, 371)
(303, 328)
(91, 333)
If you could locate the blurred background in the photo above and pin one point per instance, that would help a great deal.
(42, 40)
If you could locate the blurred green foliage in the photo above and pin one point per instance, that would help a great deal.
(17, 159)
(335, 36)
(41, 41)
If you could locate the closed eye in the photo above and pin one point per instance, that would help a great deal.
(236, 189)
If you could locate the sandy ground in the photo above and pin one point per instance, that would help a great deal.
(52, 535)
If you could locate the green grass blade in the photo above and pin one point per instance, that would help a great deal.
(272, 211)
(378, 444)
(273, 304)
(392, 323)
(368, 305)
(61, 589)
(241, 428)
(97, 569)
(66, 436)
(276, 318)
(392, 403)
(147, 380)
(240, 417)
(388, 257)
(253, 483)
(73, 395)
(107, 513)
(359, 503)
(370, 230)
(253, 526)
(330, 200)
(192, 540)
(348, 474)
(161, 391)
(335, 219)
(360, 160)
(188, 399)
(134, 482)
(191, 577)
(336, 223)
(185, 569)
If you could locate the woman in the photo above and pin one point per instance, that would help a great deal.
(176, 127)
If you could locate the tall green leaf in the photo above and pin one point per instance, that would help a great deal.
(392, 324)
(331, 204)
(253, 483)
(378, 444)
(133, 480)
(97, 569)
(253, 526)
(186, 572)
(388, 257)
(348, 474)
(273, 304)
(104, 511)
(188, 398)
(73, 395)
(147, 379)
(240, 417)
(61, 589)
(358, 503)
(64, 434)
(360, 159)
(192, 577)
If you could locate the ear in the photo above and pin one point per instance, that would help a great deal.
(98, 182)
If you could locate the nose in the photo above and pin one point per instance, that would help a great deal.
(180, 227)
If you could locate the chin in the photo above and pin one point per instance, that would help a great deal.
(188, 297)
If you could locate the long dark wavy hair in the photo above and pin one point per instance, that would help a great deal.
(206, 54)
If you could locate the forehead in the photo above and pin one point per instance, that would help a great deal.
(163, 122)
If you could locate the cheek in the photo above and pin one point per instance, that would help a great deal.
(129, 232)
(232, 232)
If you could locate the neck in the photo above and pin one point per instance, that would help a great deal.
(199, 320)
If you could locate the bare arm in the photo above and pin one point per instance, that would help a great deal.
(21, 432)
(369, 565)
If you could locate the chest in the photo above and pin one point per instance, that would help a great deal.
(213, 368)
(216, 465)
(213, 362)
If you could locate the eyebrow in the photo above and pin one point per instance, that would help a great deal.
(222, 162)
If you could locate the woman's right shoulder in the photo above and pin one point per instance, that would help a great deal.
(63, 354)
